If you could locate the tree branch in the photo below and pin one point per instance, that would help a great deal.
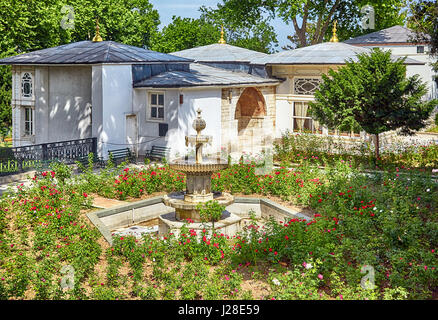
(328, 20)
(317, 34)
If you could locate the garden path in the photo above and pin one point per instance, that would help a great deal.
(104, 203)
(4, 187)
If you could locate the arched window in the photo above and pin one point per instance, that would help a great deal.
(26, 85)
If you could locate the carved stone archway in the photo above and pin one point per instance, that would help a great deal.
(250, 115)
(250, 109)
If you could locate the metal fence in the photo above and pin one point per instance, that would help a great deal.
(19, 159)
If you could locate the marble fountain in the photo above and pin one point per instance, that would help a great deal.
(198, 178)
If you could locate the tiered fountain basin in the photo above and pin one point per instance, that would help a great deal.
(153, 217)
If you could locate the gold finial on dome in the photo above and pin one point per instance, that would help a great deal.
(334, 37)
(222, 40)
(97, 37)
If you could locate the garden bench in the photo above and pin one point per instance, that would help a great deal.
(120, 155)
(157, 152)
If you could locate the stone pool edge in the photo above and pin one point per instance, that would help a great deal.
(95, 216)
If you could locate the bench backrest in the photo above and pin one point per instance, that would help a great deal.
(120, 152)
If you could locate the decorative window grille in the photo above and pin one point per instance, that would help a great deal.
(306, 86)
(157, 106)
(26, 85)
(28, 121)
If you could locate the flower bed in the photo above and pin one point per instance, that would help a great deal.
(383, 228)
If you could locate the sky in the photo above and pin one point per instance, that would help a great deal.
(190, 9)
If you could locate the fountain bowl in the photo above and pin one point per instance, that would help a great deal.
(191, 167)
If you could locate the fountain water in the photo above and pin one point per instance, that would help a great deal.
(198, 178)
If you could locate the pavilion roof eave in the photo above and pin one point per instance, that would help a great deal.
(327, 64)
(211, 86)
(92, 63)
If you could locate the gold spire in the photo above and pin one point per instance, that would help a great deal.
(222, 40)
(97, 37)
(334, 37)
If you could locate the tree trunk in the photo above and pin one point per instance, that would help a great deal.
(377, 146)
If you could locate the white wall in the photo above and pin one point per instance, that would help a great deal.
(179, 117)
(112, 101)
(61, 101)
(148, 131)
(425, 71)
(117, 102)
(283, 117)
(209, 101)
(69, 105)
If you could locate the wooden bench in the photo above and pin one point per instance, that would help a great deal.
(157, 152)
(120, 155)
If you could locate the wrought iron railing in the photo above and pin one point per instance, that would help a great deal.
(19, 158)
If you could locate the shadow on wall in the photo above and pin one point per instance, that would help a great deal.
(69, 103)
(69, 119)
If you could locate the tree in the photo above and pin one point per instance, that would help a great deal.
(316, 16)
(185, 33)
(258, 36)
(424, 20)
(375, 94)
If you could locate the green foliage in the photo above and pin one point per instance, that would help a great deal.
(185, 33)
(210, 211)
(63, 171)
(134, 182)
(251, 32)
(388, 13)
(325, 150)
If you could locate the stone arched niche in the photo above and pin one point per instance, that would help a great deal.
(251, 105)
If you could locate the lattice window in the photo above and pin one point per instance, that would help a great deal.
(156, 106)
(26, 85)
(306, 86)
(28, 121)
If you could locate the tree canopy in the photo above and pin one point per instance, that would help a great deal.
(373, 93)
(312, 19)
(186, 33)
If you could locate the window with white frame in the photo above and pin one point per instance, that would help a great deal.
(156, 106)
(26, 85)
(28, 121)
(302, 121)
(306, 85)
